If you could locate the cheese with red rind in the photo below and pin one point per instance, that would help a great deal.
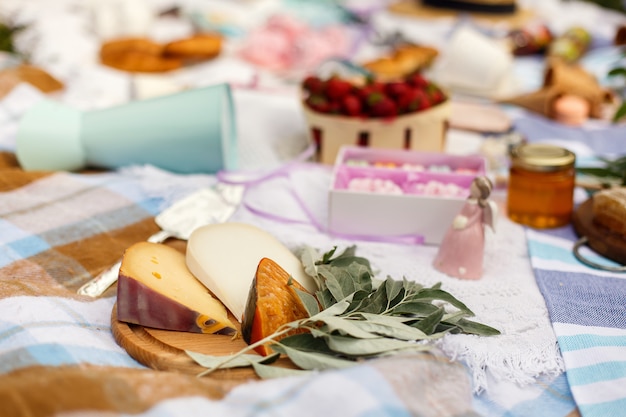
(155, 289)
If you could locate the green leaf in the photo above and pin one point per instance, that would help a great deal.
(411, 286)
(325, 298)
(334, 310)
(366, 347)
(384, 319)
(444, 327)
(618, 164)
(596, 172)
(309, 302)
(332, 283)
(472, 327)
(344, 281)
(308, 257)
(415, 308)
(326, 257)
(348, 252)
(620, 112)
(392, 329)
(270, 372)
(429, 324)
(394, 288)
(238, 361)
(358, 298)
(8, 30)
(312, 360)
(453, 318)
(617, 71)
(437, 294)
(346, 327)
(318, 333)
(344, 261)
(376, 303)
(307, 342)
(376, 283)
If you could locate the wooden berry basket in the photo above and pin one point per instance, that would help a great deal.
(420, 131)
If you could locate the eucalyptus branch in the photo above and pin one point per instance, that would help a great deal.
(371, 325)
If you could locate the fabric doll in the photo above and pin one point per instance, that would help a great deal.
(461, 252)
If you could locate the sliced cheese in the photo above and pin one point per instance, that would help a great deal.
(225, 256)
(156, 289)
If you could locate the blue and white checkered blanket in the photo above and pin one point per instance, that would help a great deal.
(59, 229)
(588, 312)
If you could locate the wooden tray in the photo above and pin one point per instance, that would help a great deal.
(165, 350)
(600, 239)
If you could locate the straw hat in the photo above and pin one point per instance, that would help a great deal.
(485, 11)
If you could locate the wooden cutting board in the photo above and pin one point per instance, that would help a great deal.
(165, 350)
(600, 239)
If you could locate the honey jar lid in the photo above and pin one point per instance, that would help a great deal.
(542, 157)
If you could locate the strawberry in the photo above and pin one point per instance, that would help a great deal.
(351, 105)
(422, 103)
(416, 101)
(435, 94)
(437, 97)
(318, 103)
(336, 88)
(313, 84)
(417, 80)
(364, 92)
(384, 107)
(377, 86)
(372, 98)
(404, 101)
(397, 88)
(334, 107)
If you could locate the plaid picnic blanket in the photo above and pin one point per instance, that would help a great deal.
(588, 312)
(57, 353)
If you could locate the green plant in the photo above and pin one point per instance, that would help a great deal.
(354, 317)
(610, 173)
(609, 4)
(8, 31)
(621, 91)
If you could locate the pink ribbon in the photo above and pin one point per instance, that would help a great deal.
(253, 179)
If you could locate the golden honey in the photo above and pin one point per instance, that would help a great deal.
(541, 185)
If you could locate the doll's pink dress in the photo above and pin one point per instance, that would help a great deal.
(461, 252)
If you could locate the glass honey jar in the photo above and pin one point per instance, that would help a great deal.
(541, 185)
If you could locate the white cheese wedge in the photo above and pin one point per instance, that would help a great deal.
(155, 289)
(225, 256)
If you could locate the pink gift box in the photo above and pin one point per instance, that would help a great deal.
(430, 189)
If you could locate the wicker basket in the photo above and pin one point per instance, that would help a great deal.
(420, 131)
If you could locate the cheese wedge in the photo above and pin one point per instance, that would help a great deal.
(272, 302)
(225, 257)
(155, 289)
